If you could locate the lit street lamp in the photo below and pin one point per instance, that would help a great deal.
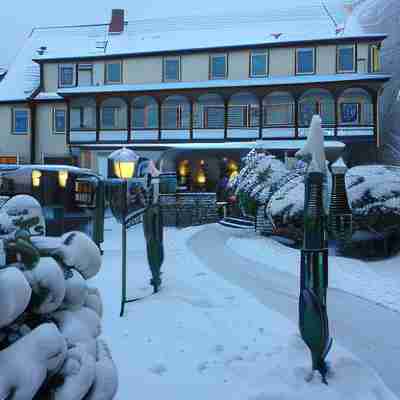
(133, 193)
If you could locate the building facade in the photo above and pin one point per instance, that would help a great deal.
(189, 85)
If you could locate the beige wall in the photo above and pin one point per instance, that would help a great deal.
(326, 60)
(142, 70)
(238, 64)
(195, 67)
(362, 57)
(48, 142)
(281, 62)
(50, 72)
(10, 143)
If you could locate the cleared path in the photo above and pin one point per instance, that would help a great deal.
(369, 331)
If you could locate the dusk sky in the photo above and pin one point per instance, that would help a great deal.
(18, 17)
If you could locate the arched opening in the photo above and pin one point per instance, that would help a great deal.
(355, 108)
(113, 114)
(209, 112)
(83, 114)
(243, 111)
(175, 113)
(278, 109)
(317, 101)
(144, 113)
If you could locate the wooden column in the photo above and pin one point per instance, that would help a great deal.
(296, 116)
(68, 122)
(336, 114)
(97, 120)
(129, 120)
(191, 119)
(260, 118)
(226, 104)
(375, 117)
(159, 103)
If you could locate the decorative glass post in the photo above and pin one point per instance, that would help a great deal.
(340, 215)
(313, 318)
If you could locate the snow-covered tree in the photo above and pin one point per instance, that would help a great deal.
(50, 319)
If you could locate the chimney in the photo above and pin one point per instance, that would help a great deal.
(348, 7)
(117, 22)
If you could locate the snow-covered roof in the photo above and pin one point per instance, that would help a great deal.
(275, 26)
(269, 81)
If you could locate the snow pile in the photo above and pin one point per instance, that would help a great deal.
(50, 319)
(204, 338)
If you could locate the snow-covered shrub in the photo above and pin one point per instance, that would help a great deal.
(50, 320)
(255, 182)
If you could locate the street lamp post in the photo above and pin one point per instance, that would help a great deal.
(313, 317)
(124, 163)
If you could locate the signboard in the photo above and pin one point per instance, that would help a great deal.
(350, 113)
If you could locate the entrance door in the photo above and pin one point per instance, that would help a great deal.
(102, 165)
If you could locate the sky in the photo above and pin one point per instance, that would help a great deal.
(18, 17)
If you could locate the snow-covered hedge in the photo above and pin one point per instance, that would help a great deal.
(50, 318)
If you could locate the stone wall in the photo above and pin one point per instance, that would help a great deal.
(188, 209)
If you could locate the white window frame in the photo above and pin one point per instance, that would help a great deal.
(55, 110)
(85, 67)
(28, 124)
(297, 50)
(225, 55)
(165, 59)
(106, 80)
(338, 70)
(259, 52)
(60, 80)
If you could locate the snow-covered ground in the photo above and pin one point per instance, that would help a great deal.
(203, 338)
(377, 281)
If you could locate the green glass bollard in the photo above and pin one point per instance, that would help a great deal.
(313, 317)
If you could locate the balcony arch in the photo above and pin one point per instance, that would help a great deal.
(355, 113)
(243, 116)
(113, 120)
(317, 101)
(209, 117)
(145, 121)
(82, 120)
(175, 117)
(278, 115)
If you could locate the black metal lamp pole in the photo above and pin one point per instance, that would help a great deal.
(313, 318)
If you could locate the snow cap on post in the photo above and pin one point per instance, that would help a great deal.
(339, 167)
(314, 146)
(117, 22)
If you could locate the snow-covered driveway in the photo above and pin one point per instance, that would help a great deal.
(368, 330)
(203, 337)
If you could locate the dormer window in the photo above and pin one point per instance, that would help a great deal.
(66, 75)
(172, 69)
(346, 58)
(114, 72)
(305, 61)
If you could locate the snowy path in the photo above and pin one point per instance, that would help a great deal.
(368, 330)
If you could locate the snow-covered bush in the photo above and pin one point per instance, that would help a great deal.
(256, 181)
(50, 320)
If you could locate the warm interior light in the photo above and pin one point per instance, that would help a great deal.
(232, 166)
(63, 178)
(36, 175)
(233, 175)
(201, 177)
(124, 169)
(184, 168)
